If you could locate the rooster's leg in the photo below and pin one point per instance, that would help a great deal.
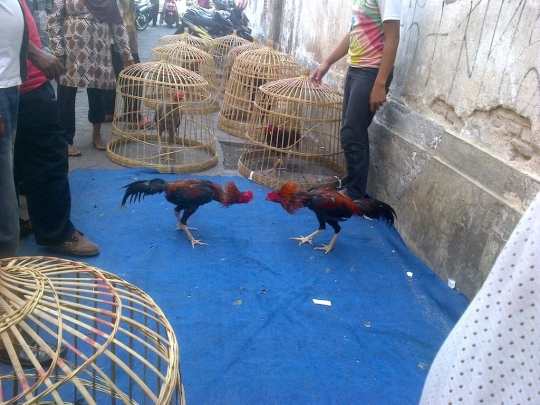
(180, 225)
(190, 237)
(308, 239)
(277, 163)
(330, 246)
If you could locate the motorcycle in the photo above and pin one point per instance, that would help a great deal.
(221, 21)
(170, 14)
(143, 14)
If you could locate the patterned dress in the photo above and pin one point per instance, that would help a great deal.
(85, 41)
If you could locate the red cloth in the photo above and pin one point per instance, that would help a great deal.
(35, 76)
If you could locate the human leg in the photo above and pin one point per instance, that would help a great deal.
(155, 12)
(9, 207)
(96, 115)
(42, 162)
(354, 135)
(131, 104)
(66, 97)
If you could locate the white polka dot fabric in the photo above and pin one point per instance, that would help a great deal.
(492, 356)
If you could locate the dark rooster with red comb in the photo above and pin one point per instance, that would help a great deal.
(188, 195)
(330, 207)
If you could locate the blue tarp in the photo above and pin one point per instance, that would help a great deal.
(242, 307)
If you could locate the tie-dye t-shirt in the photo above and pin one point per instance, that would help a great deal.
(367, 38)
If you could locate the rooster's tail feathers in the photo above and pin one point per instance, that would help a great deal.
(139, 189)
(376, 209)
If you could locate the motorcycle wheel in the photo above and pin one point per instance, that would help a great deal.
(141, 21)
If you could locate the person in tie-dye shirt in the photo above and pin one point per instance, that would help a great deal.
(371, 44)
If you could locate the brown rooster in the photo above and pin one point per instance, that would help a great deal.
(169, 116)
(330, 207)
(188, 195)
(281, 138)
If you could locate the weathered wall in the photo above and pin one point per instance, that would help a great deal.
(457, 150)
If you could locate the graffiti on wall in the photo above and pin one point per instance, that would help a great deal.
(475, 64)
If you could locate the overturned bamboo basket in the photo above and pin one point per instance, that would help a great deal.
(203, 44)
(222, 47)
(153, 128)
(293, 135)
(231, 57)
(191, 58)
(250, 70)
(107, 341)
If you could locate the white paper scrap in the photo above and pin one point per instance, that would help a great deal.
(451, 283)
(322, 302)
(409, 273)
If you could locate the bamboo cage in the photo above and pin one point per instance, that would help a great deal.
(178, 136)
(120, 348)
(191, 58)
(203, 44)
(252, 69)
(222, 47)
(293, 135)
(231, 57)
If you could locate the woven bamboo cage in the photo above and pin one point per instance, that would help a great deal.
(231, 57)
(179, 135)
(293, 135)
(191, 58)
(252, 69)
(203, 44)
(222, 47)
(108, 342)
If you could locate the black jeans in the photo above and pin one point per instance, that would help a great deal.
(66, 105)
(356, 118)
(41, 165)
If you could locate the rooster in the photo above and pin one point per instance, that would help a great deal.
(169, 116)
(282, 139)
(330, 207)
(188, 195)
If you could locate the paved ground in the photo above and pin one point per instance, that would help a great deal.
(229, 147)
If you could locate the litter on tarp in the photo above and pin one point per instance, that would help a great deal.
(322, 302)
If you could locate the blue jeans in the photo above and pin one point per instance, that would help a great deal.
(9, 204)
(356, 119)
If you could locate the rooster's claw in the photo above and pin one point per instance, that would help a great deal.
(303, 240)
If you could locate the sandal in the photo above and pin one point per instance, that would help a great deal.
(100, 145)
(72, 152)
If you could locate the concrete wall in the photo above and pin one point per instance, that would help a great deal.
(456, 151)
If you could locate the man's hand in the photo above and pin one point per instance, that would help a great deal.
(319, 73)
(377, 97)
(44, 61)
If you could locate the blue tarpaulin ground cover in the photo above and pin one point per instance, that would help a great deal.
(242, 307)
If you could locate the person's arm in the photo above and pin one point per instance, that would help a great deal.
(121, 39)
(378, 93)
(44, 61)
(55, 28)
(339, 52)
